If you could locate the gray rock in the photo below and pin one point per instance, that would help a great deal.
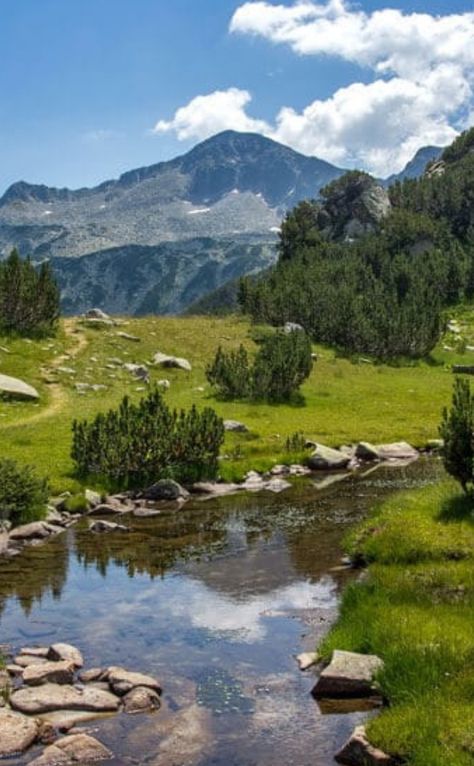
(101, 526)
(140, 700)
(277, 485)
(397, 451)
(96, 314)
(163, 383)
(280, 470)
(139, 371)
(73, 749)
(66, 652)
(164, 360)
(127, 336)
(366, 451)
(93, 674)
(359, 752)
(216, 488)
(93, 498)
(49, 672)
(165, 489)
(307, 660)
(348, 675)
(25, 660)
(123, 681)
(37, 530)
(17, 732)
(327, 459)
(17, 388)
(235, 425)
(111, 506)
(34, 700)
(35, 651)
(290, 327)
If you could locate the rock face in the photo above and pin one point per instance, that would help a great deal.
(328, 459)
(17, 388)
(353, 207)
(348, 675)
(359, 752)
(74, 749)
(172, 361)
(49, 697)
(17, 732)
(49, 672)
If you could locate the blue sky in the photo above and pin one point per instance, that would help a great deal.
(84, 82)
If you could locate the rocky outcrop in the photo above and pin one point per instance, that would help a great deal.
(359, 752)
(353, 207)
(348, 675)
(16, 388)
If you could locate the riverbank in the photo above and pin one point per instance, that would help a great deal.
(82, 372)
(414, 608)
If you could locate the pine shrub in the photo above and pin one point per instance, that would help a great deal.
(456, 430)
(23, 495)
(29, 297)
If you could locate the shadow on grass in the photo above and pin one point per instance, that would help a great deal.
(458, 508)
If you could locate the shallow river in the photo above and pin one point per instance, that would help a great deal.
(215, 600)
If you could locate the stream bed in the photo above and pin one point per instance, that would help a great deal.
(215, 600)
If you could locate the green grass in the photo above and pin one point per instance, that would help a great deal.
(415, 609)
(343, 401)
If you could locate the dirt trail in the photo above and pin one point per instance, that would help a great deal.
(58, 395)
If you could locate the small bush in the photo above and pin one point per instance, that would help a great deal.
(457, 432)
(23, 495)
(137, 444)
(230, 373)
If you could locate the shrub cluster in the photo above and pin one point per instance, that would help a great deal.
(137, 444)
(23, 495)
(281, 365)
(29, 297)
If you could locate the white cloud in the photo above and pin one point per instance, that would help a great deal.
(421, 94)
(209, 114)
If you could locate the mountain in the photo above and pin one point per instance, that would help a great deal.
(417, 166)
(221, 203)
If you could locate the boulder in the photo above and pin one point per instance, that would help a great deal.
(140, 700)
(96, 314)
(17, 388)
(49, 672)
(101, 526)
(290, 327)
(235, 425)
(139, 371)
(36, 530)
(66, 652)
(164, 360)
(17, 732)
(34, 700)
(93, 498)
(359, 752)
(348, 675)
(397, 451)
(123, 681)
(73, 749)
(328, 459)
(366, 451)
(165, 489)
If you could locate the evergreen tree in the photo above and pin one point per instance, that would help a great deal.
(457, 432)
(29, 298)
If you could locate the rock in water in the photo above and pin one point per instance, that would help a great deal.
(359, 752)
(141, 699)
(165, 489)
(73, 749)
(123, 681)
(17, 732)
(328, 459)
(35, 700)
(67, 653)
(17, 388)
(49, 672)
(348, 675)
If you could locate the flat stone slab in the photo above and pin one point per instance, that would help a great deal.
(359, 752)
(37, 530)
(49, 672)
(17, 732)
(17, 388)
(48, 697)
(73, 749)
(123, 681)
(348, 675)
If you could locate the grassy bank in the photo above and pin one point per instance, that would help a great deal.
(415, 609)
(343, 401)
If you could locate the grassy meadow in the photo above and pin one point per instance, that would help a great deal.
(415, 609)
(343, 401)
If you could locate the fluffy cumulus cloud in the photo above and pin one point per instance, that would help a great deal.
(421, 92)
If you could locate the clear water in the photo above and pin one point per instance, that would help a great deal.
(215, 600)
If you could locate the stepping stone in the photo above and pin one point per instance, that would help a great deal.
(348, 675)
(73, 749)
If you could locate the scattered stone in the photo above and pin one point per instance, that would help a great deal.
(139, 371)
(290, 327)
(306, 660)
(140, 700)
(366, 451)
(15, 670)
(165, 489)
(172, 361)
(359, 752)
(73, 749)
(277, 485)
(66, 652)
(101, 526)
(123, 681)
(17, 732)
(164, 383)
(49, 672)
(280, 470)
(235, 425)
(66, 370)
(96, 314)
(127, 336)
(348, 675)
(34, 700)
(17, 388)
(83, 387)
(327, 459)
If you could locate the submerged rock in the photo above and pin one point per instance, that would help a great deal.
(141, 699)
(348, 675)
(48, 697)
(99, 527)
(359, 752)
(73, 749)
(17, 732)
